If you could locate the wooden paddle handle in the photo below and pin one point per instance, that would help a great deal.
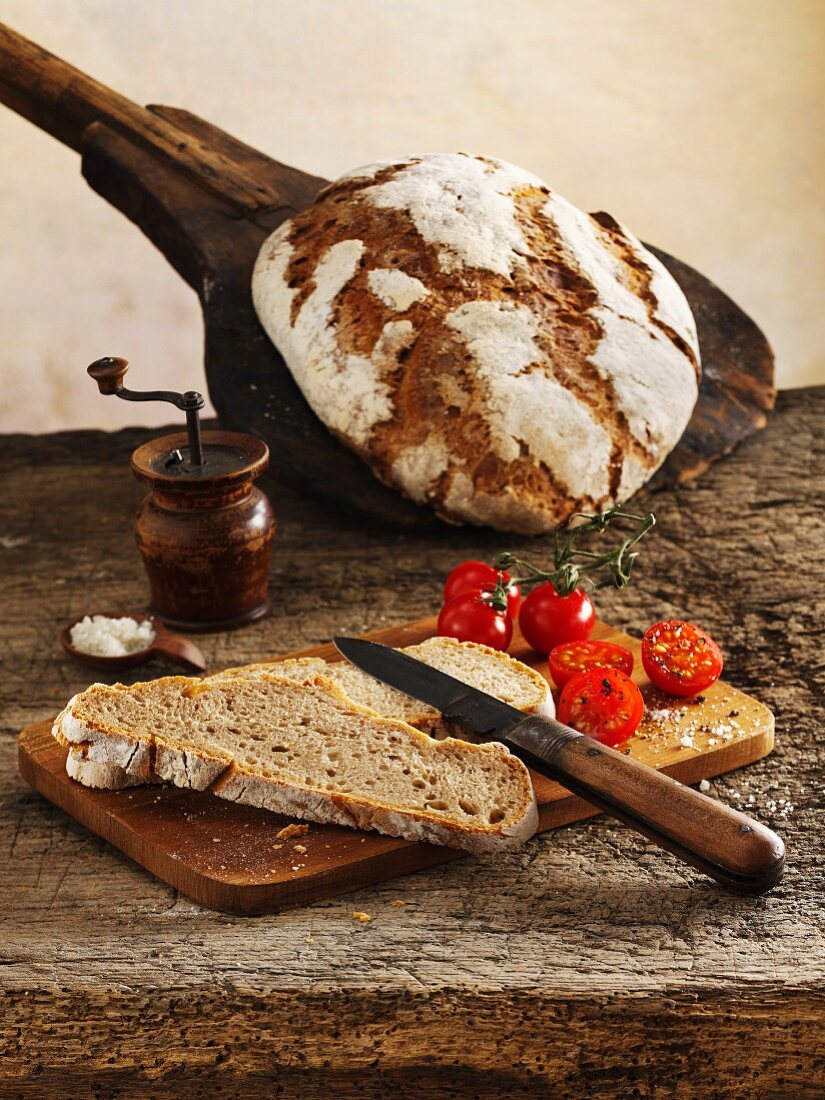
(732, 848)
(64, 102)
(56, 96)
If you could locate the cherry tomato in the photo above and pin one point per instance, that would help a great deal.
(603, 703)
(477, 576)
(571, 658)
(679, 658)
(548, 619)
(470, 618)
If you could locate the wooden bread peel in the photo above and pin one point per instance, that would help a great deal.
(207, 201)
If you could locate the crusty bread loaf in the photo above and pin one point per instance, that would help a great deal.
(477, 665)
(308, 751)
(489, 349)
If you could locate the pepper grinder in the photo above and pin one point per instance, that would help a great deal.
(204, 531)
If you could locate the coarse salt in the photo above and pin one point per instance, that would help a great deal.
(104, 637)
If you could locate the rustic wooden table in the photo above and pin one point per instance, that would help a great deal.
(587, 965)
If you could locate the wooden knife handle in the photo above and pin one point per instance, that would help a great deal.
(732, 848)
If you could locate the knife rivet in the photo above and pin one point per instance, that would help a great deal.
(745, 829)
(593, 752)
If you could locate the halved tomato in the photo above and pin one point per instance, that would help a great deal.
(679, 658)
(571, 658)
(603, 703)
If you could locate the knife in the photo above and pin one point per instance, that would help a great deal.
(736, 851)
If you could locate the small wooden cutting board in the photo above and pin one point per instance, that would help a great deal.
(231, 858)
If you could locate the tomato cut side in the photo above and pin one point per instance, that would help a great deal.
(571, 658)
(604, 703)
(680, 658)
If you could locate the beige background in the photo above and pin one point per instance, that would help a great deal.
(697, 124)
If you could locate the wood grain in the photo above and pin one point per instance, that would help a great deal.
(586, 965)
(208, 201)
(230, 857)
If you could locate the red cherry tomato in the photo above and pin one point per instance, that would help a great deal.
(679, 658)
(470, 618)
(477, 576)
(603, 703)
(548, 619)
(570, 658)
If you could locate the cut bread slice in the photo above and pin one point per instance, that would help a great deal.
(477, 665)
(308, 751)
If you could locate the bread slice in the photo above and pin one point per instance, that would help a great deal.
(306, 750)
(477, 665)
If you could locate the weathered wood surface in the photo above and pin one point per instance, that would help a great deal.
(587, 965)
(208, 201)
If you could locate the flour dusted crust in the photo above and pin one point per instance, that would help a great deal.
(489, 349)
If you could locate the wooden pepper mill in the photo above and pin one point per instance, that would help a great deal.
(205, 530)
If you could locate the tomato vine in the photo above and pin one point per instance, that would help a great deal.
(574, 564)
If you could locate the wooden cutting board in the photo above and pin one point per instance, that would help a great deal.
(231, 858)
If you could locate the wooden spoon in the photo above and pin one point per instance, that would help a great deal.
(176, 648)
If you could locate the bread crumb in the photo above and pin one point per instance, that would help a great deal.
(277, 846)
(398, 903)
(292, 830)
(299, 848)
(704, 786)
(309, 939)
(365, 918)
(216, 840)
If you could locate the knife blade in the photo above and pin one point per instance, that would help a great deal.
(734, 849)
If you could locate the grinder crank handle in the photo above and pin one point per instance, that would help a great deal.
(733, 849)
(109, 373)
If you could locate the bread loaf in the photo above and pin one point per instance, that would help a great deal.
(489, 349)
(308, 751)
